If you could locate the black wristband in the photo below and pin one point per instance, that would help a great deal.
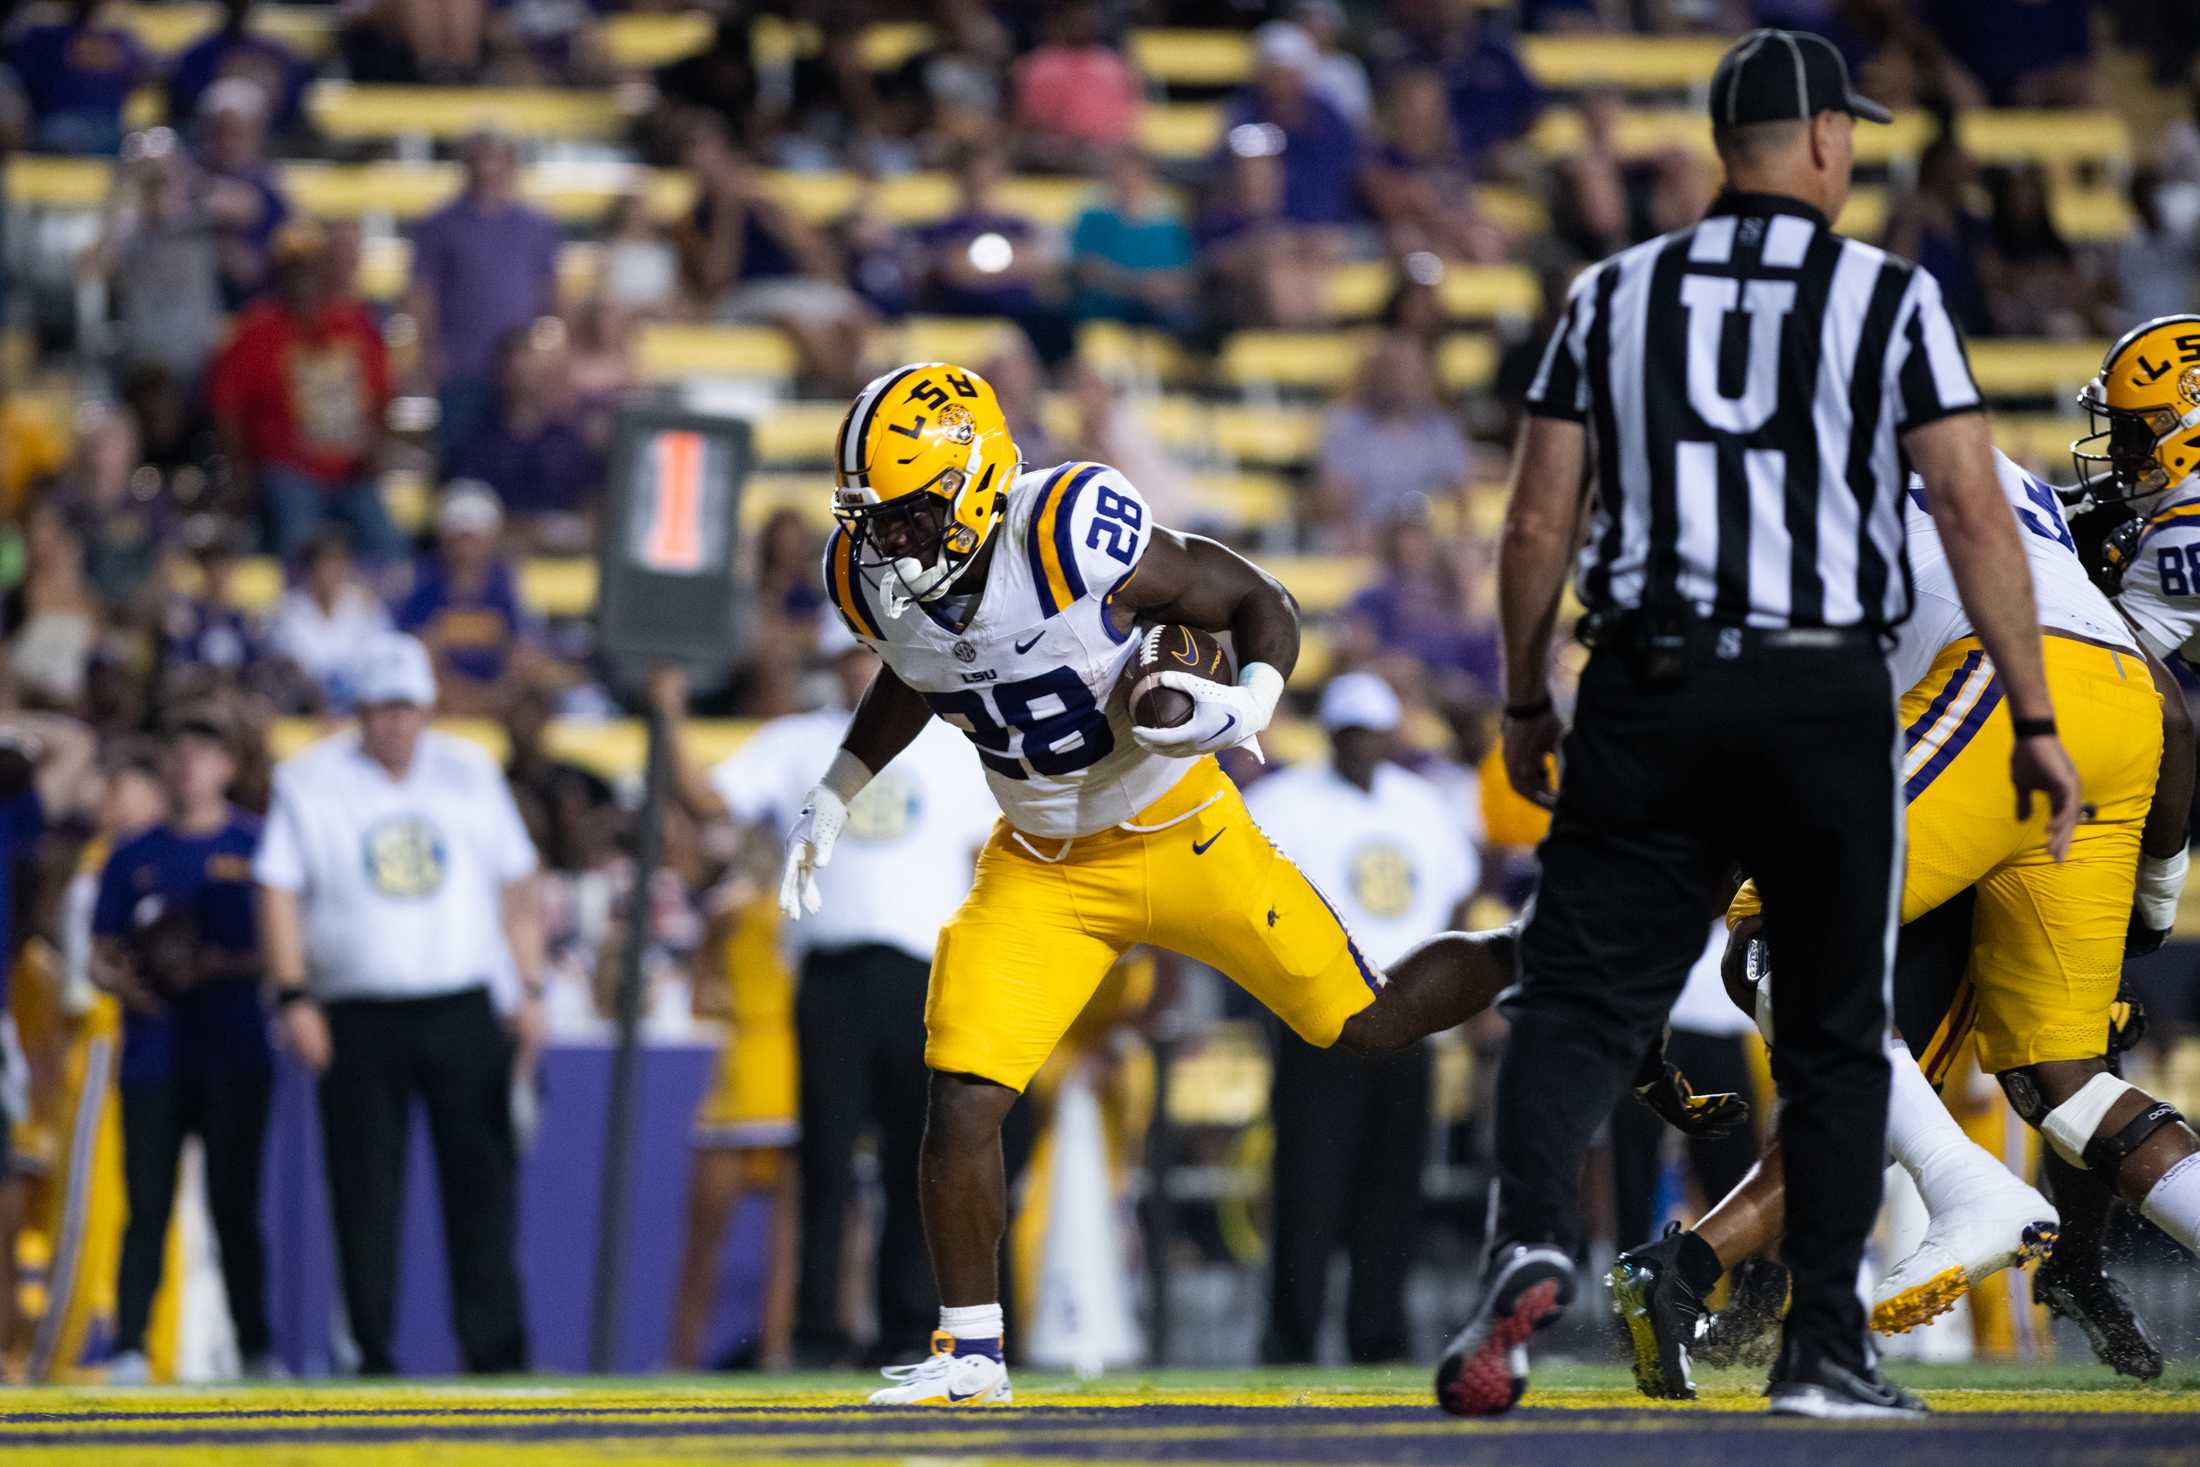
(2033, 728)
(285, 996)
(1536, 709)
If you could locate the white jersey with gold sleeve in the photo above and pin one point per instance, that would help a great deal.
(1031, 679)
(2067, 599)
(2161, 583)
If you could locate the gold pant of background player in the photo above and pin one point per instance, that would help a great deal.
(2047, 940)
(1045, 919)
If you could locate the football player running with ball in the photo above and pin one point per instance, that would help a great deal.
(1004, 600)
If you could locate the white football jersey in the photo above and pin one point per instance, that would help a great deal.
(2067, 598)
(2161, 585)
(1032, 679)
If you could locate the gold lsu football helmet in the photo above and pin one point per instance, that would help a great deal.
(2144, 408)
(921, 468)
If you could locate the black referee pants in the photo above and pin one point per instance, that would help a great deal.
(228, 1112)
(859, 1032)
(1783, 760)
(1351, 1136)
(452, 1054)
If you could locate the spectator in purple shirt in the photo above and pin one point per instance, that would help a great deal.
(1390, 448)
(1419, 607)
(233, 149)
(77, 74)
(530, 450)
(982, 260)
(1493, 99)
(464, 603)
(234, 49)
(1320, 149)
(484, 266)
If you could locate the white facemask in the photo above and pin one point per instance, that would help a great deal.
(913, 581)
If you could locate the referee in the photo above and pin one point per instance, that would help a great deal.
(1743, 396)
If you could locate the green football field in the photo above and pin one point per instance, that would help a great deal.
(1587, 1414)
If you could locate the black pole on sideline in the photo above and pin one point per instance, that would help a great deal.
(618, 1135)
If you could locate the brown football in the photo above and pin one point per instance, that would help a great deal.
(1172, 649)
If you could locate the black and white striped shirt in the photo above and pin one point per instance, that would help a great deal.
(1744, 384)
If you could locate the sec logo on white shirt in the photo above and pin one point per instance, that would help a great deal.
(405, 856)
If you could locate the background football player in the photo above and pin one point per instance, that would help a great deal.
(2036, 974)
(1006, 602)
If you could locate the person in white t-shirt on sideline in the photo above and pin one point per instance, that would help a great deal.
(902, 866)
(1382, 847)
(397, 889)
(320, 624)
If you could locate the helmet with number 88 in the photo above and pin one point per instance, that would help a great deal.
(921, 468)
(2145, 410)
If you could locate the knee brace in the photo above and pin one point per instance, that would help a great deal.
(2070, 1127)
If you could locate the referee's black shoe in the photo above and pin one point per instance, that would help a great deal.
(2077, 1289)
(1485, 1367)
(1663, 1313)
(1806, 1382)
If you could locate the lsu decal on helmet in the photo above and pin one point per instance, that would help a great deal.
(2144, 408)
(920, 467)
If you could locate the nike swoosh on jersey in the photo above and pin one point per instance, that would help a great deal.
(1199, 847)
(1023, 647)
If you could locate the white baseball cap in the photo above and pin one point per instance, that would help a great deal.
(1360, 700)
(469, 507)
(394, 668)
(1280, 43)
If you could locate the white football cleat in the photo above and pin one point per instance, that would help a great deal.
(2000, 1224)
(944, 1378)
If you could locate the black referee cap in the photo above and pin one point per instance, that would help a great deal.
(1785, 76)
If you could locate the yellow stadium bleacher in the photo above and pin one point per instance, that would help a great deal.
(967, 339)
(1137, 352)
(1466, 362)
(1322, 583)
(1184, 57)
(1358, 291)
(1634, 63)
(1180, 131)
(796, 433)
(2043, 439)
(169, 28)
(666, 351)
(1302, 359)
(2054, 137)
(808, 495)
(2009, 368)
(1270, 437)
(351, 112)
(1640, 131)
(2085, 214)
(1253, 501)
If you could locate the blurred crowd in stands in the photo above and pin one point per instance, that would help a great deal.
(204, 385)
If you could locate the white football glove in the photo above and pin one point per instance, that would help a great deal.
(1223, 717)
(809, 847)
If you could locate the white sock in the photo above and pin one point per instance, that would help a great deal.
(1925, 1138)
(973, 1321)
(2173, 1203)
